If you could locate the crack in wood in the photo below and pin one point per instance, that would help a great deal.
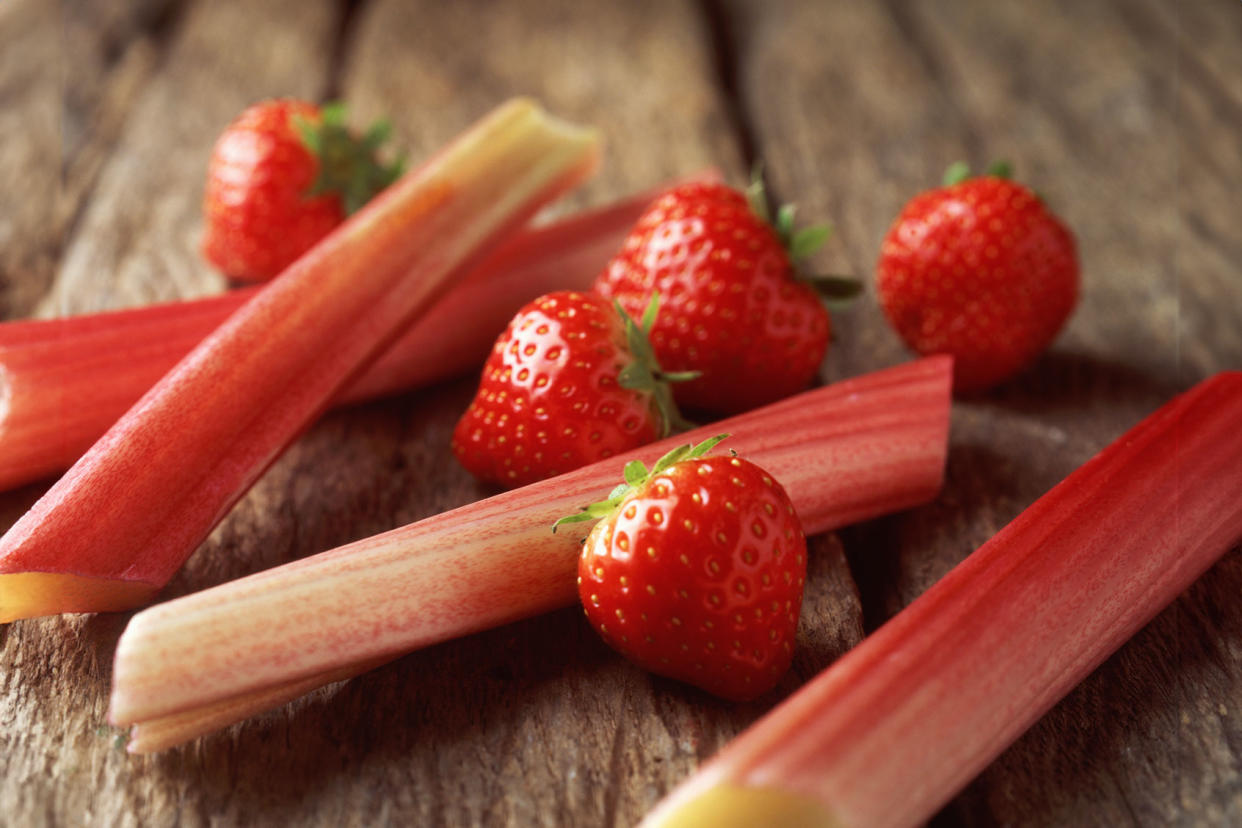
(349, 13)
(728, 54)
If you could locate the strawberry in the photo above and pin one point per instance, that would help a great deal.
(696, 571)
(979, 269)
(571, 380)
(280, 178)
(732, 308)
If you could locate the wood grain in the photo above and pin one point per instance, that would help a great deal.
(60, 117)
(642, 72)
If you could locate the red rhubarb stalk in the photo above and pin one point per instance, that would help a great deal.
(63, 382)
(847, 452)
(128, 514)
(897, 726)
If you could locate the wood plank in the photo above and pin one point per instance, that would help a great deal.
(1136, 157)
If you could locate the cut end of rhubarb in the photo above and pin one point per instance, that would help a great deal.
(34, 594)
(736, 806)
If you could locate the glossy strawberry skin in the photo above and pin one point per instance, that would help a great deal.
(698, 575)
(981, 270)
(729, 304)
(549, 400)
(259, 218)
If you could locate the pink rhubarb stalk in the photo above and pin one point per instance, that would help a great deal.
(847, 452)
(63, 382)
(897, 726)
(111, 532)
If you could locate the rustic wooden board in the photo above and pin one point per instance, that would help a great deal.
(1130, 131)
(1138, 153)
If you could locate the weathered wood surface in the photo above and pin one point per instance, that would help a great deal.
(1124, 115)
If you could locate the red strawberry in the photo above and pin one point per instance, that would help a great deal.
(696, 571)
(280, 178)
(570, 381)
(982, 270)
(731, 307)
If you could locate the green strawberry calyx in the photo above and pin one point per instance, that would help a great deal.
(801, 243)
(959, 171)
(636, 474)
(349, 165)
(644, 373)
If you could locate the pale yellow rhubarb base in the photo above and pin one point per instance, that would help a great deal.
(736, 806)
(33, 594)
(164, 732)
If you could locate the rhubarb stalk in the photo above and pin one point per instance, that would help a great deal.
(897, 726)
(847, 452)
(116, 527)
(63, 382)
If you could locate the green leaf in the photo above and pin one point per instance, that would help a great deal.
(650, 312)
(756, 194)
(707, 445)
(578, 517)
(309, 135)
(680, 376)
(332, 113)
(957, 172)
(378, 133)
(1000, 169)
(785, 223)
(645, 373)
(636, 377)
(674, 456)
(809, 239)
(635, 473)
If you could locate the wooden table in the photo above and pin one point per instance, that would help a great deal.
(1124, 115)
